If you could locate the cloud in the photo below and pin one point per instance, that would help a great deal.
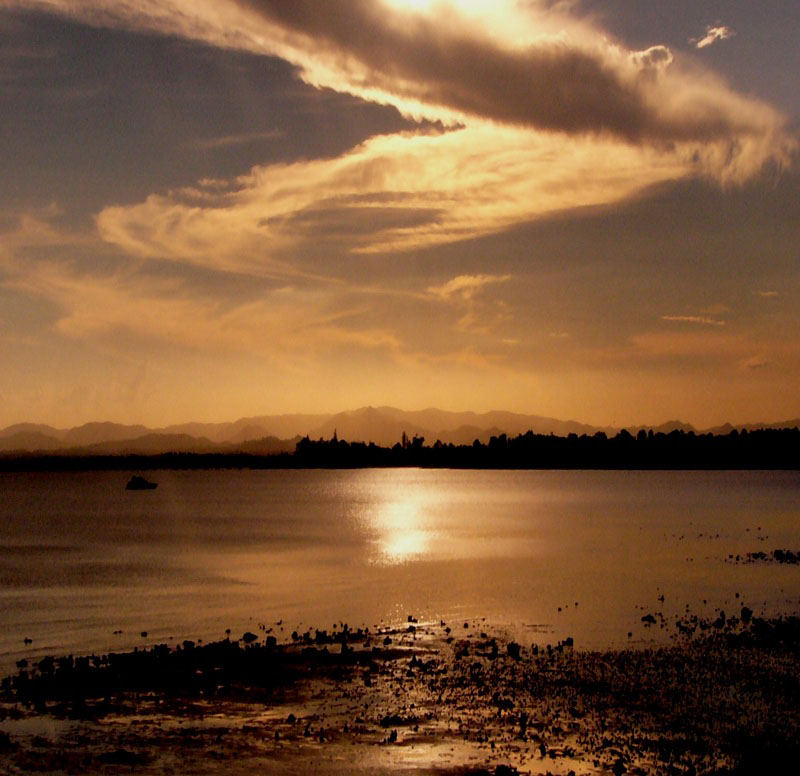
(480, 317)
(703, 346)
(34, 230)
(393, 193)
(126, 309)
(531, 66)
(654, 58)
(716, 309)
(551, 115)
(122, 303)
(768, 294)
(714, 351)
(284, 332)
(713, 35)
(227, 141)
(464, 287)
(754, 362)
(698, 319)
(131, 309)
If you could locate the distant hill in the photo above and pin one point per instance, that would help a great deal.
(369, 424)
(31, 428)
(727, 427)
(268, 434)
(670, 426)
(28, 441)
(99, 433)
(466, 435)
(151, 444)
(244, 429)
(385, 425)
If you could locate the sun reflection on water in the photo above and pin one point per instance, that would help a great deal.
(401, 533)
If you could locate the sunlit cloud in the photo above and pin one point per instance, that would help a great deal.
(24, 235)
(479, 316)
(552, 114)
(393, 193)
(465, 286)
(755, 362)
(287, 326)
(528, 66)
(698, 319)
(129, 307)
(124, 303)
(713, 35)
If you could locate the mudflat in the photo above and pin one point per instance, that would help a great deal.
(422, 697)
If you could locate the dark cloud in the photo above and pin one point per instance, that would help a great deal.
(550, 85)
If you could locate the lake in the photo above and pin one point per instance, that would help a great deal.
(86, 565)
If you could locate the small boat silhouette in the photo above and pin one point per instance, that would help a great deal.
(140, 483)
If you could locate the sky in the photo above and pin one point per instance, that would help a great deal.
(582, 209)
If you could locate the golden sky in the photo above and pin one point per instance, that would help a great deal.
(218, 208)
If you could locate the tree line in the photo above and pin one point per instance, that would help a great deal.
(759, 449)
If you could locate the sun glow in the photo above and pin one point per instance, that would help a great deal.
(466, 6)
(411, 5)
(501, 18)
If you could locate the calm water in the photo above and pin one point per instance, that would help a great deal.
(81, 557)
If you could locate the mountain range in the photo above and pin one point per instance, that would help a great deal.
(268, 434)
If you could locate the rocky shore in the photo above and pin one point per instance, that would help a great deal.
(426, 698)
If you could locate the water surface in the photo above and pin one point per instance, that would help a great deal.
(548, 554)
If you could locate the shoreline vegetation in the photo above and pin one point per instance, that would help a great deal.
(425, 698)
(677, 450)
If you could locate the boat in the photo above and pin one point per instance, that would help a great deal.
(140, 483)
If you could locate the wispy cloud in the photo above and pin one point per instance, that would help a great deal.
(716, 309)
(227, 141)
(34, 230)
(127, 308)
(465, 286)
(698, 319)
(291, 330)
(698, 344)
(121, 302)
(713, 35)
(393, 193)
(755, 362)
(479, 313)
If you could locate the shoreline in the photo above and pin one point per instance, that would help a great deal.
(31, 464)
(421, 698)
